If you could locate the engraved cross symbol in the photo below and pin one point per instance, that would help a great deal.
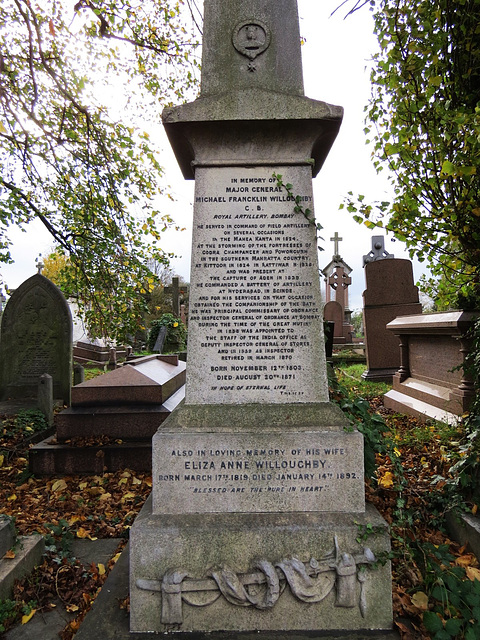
(378, 251)
(336, 239)
(339, 278)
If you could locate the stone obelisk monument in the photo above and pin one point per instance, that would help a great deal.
(258, 490)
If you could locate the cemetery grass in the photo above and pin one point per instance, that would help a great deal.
(436, 592)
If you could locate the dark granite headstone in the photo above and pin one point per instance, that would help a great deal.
(36, 338)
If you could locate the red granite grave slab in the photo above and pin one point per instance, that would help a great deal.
(147, 381)
(48, 458)
(433, 349)
(123, 422)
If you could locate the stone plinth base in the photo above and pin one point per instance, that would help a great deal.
(403, 403)
(259, 571)
(48, 458)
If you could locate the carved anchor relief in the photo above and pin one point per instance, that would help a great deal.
(262, 587)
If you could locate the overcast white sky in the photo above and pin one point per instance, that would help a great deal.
(336, 70)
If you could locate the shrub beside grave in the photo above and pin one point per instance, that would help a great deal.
(176, 338)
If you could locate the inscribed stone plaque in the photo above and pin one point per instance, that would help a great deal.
(36, 338)
(251, 472)
(255, 327)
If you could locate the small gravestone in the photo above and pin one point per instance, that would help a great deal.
(36, 339)
(333, 313)
(162, 334)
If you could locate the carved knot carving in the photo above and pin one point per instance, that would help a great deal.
(263, 585)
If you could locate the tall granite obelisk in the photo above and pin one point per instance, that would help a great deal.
(258, 488)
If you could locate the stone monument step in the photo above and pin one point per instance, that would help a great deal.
(403, 403)
(127, 422)
(85, 354)
(380, 375)
(440, 395)
(148, 380)
(419, 388)
(28, 554)
(48, 458)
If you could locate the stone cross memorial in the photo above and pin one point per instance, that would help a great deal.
(258, 487)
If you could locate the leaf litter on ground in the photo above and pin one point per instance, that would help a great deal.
(63, 508)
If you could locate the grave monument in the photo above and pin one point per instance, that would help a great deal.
(390, 292)
(36, 338)
(432, 380)
(337, 280)
(258, 495)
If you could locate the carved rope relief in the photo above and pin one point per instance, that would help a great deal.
(263, 585)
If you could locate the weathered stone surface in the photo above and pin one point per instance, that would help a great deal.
(258, 472)
(195, 545)
(36, 338)
(389, 282)
(28, 555)
(261, 417)
(49, 458)
(465, 529)
(251, 110)
(132, 422)
(253, 28)
(255, 296)
(382, 346)
(7, 534)
(256, 376)
(106, 620)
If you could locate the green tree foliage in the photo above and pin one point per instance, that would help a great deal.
(88, 173)
(424, 120)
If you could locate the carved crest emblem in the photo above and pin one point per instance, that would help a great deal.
(251, 38)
